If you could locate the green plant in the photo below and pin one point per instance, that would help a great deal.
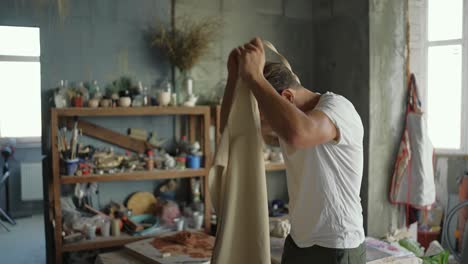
(123, 84)
(111, 89)
(441, 258)
(412, 246)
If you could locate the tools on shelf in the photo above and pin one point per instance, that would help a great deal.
(129, 159)
(141, 154)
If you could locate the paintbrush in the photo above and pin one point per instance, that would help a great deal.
(74, 140)
(64, 137)
(63, 141)
(60, 144)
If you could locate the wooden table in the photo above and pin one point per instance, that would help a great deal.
(276, 244)
(123, 257)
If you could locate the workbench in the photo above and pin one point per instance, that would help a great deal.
(124, 257)
(276, 244)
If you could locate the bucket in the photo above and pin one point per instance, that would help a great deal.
(193, 161)
(72, 166)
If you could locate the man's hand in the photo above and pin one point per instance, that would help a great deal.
(245, 62)
(252, 60)
(233, 65)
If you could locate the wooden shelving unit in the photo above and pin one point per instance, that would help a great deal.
(101, 242)
(133, 111)
(134, 176)
(199, 124)
(216, 120)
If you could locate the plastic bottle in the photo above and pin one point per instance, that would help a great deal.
(146, 100)
(97, 90)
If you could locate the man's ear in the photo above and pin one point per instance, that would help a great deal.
(288, 94)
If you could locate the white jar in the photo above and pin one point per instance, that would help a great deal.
(164, 98)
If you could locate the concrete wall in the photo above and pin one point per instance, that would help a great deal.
(387, 107)
(417, 19)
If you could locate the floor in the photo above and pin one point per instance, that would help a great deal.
(25, 243)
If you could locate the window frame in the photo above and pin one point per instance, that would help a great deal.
(24, 142)
(464, 97)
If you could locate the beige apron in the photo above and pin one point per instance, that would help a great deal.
(238, 185)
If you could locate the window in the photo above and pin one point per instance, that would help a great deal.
(20, 87)
(446, 68)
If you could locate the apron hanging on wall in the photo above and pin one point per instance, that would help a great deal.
(413, 175)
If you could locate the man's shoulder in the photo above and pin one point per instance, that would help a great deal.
(334, 100)
(341, 108)
(334, 97)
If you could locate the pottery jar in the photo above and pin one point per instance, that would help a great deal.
(106, 102)
(125, 101)
(164, 98)
(93, 103)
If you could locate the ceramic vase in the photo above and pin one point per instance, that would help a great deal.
(125, 101)
(106, 102)
(93, 103)
(164, 98)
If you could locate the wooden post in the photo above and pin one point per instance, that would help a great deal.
(207, 151)
(193, 128)
(56, 187)
(217, 124)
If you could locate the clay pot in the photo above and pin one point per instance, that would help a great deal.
(106, 102)
(93, 103)
(125, 101)
(164, 98)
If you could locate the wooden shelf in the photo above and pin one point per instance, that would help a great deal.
(135, 176)
(102, 242)
(106, 242)
(273, 166)
(133, 111)
(199, 129)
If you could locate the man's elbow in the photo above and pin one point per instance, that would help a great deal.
(295, 139)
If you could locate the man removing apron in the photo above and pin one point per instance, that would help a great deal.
(321, 137)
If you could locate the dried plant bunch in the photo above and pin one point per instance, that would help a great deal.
(188, 42)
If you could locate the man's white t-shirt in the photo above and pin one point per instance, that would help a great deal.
(324, 182)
